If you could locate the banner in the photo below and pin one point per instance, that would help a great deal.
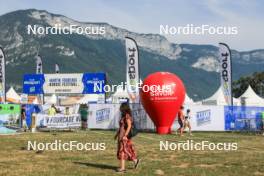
(2, 76)
(132, 70)
(243, 118)
(107, 116)
(226, 72)
(39, 69)
(93, 83)
(63, 83)
(204, 118)
(59, 121)
(10, 115)
(103, 116)
(33, 84)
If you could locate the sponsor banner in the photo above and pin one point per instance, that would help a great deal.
(2, 75)
(132, 70)
(33, 84)
(10, 115)
(29, 110)
(243, 118)
(204, 118)
(93, 83)
(87, 83)
(103, 116)
(59, 121)
(107, 116)
(63, 83)
(226, 72)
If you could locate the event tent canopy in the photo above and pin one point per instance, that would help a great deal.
(88, 98)
(12, 96)
(188, 100)
(218, 99)
(250, 98)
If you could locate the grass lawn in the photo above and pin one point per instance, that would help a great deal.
(15, 159)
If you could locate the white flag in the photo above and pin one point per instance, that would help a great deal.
(226, 72)
(132, 69)
(57, 68)
(2, 75)
(39, 69)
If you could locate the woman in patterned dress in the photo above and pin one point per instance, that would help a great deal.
(126, 150)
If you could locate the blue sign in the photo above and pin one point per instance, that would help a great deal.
(102, 115)
(33, 83)
(203, 117)
(93, 83)
(29, 110)
(243, 118)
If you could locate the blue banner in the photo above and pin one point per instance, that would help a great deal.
(93, 83)
(29, 110)
(243, 118)
(33, 84)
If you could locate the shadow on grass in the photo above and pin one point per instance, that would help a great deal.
(101, 166)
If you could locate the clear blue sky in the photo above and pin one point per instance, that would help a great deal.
(145, 16)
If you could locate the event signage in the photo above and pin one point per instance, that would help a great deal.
(102, 115)
(87, 83)
(243, 118)
(93, 83)
(33, 84)
(163, 100)
(132, 69)
(59, 121)
(203, 117)
(2, 75)
(63, 83)
(225, 72)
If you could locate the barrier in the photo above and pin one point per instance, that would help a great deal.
(58, 121)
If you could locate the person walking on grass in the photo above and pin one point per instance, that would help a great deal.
(125, 148)
(181, 121)
(187, 123)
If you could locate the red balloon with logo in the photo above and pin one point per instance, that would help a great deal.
(162, 94)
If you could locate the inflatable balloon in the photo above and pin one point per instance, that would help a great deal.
(162, 94)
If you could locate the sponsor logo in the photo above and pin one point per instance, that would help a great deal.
(224, 66)
(203, 117)
(102, 115)
(132, 68)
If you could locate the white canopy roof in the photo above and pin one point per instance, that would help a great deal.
(12, 96)
(188, 100)
(251, 98)
(52, 100)
(88, 98)
(218, 98)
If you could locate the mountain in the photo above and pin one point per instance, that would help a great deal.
(197, 65)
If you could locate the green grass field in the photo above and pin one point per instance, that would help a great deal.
(16, 160)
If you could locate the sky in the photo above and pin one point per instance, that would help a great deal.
(146, 16)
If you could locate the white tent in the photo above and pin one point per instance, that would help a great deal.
(88, 98)
(12, 96)
(218, 99)
(52, 100)
(250, 98)
(188, 100)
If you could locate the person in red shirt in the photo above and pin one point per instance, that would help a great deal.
(181, 120)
